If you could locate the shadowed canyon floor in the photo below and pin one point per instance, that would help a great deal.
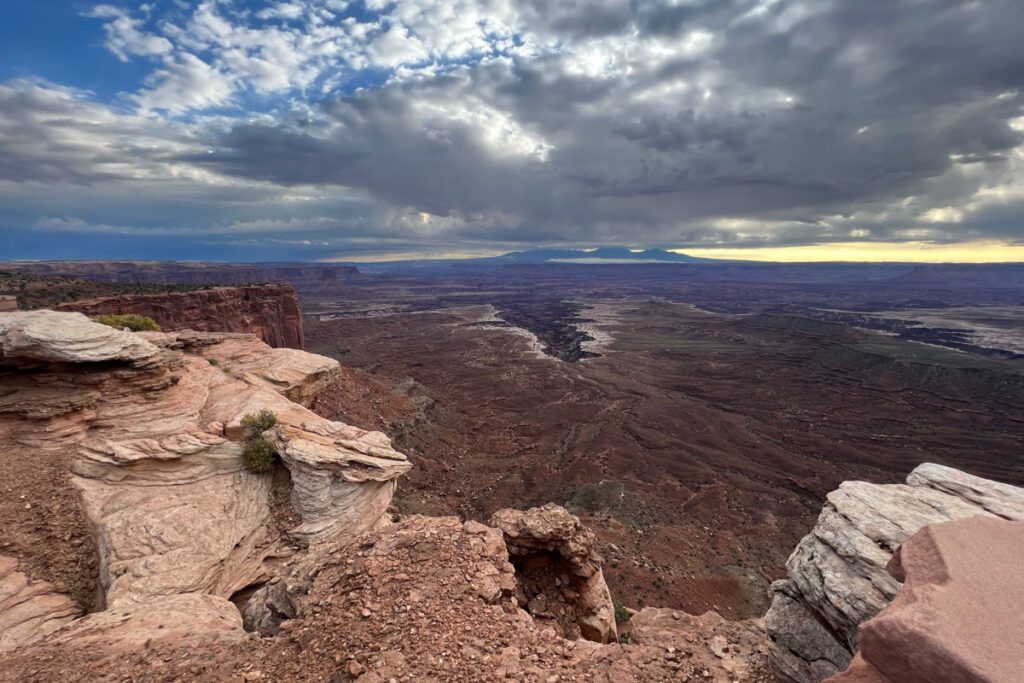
(698, 445)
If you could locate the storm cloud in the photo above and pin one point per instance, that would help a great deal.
(483, 124)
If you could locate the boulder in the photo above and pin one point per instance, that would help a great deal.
(67, 338)
(837, 574)
(559, 570)
(958, 614)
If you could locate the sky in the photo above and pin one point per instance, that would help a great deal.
(336, 129)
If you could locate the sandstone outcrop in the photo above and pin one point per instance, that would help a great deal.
(270, 312)
(837, 574)
(560, 576)
(43, 336)
(957, 617)
(155, 424)
(425, 599)
(29, 610)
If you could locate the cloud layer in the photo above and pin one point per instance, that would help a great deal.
(319, 127)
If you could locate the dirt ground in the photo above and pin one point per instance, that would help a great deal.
(42, 523)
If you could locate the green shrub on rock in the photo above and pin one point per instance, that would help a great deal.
(257, 423)
(258, 455)
(621, 613)
(134, 322)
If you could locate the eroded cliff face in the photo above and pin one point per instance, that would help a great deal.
(837, 574)
(270, 312)
(153, 422)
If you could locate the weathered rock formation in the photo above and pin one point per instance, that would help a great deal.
(559, 570)
(29, 610)
(271, 312)
(425, 599)
(837, 574)
(958, 615)
(181, 525)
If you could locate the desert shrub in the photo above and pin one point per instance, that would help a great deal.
(137, 323)
(214, 362)
(259, 422)
(621, 615)
(624, 639)
(258, 455)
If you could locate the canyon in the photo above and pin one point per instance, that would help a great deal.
(204, 570)
(675, 449)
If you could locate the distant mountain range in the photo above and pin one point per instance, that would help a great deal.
(597, 256)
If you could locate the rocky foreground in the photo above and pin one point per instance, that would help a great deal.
(138, 547)
(837, 574)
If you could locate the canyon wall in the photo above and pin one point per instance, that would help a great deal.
(187, 272)
(270, 312)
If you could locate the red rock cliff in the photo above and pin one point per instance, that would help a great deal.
(271, 312)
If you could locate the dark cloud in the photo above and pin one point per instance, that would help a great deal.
(744, 121)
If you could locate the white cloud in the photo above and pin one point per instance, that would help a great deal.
(124, 37)
(396, 47)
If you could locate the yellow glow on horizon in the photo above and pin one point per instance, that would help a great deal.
(918, 252)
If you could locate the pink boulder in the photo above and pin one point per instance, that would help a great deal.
(959, 617)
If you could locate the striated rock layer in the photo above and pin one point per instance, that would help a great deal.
(29, 610)
(957, 617)
(837, 574)
(154, 421)
(271, 312)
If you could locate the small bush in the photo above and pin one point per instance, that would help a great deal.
(621, 615)
(136, 323)
(257, 423)
(258, 455)
(624, 639)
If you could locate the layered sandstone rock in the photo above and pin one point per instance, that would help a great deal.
(29, 610)
(299, 376)
(837, 574)
(43, 336)
(957, 616)
(270, 312)
(559, 570)
(156, 428)
(425, 599)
